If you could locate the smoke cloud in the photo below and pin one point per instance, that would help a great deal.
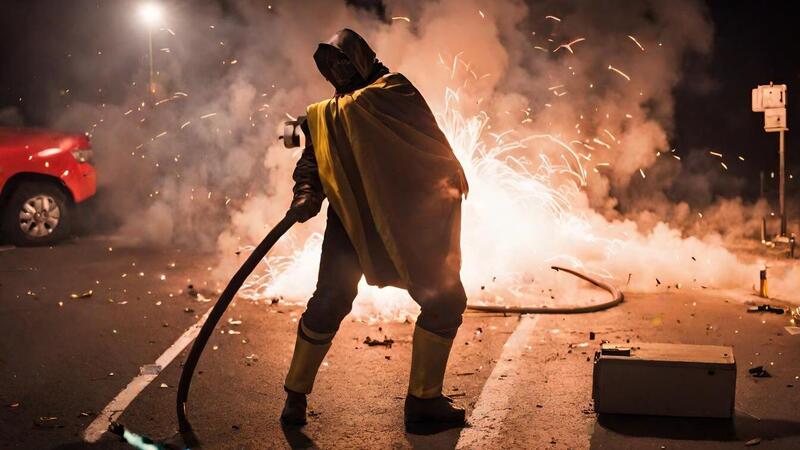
(562, 115)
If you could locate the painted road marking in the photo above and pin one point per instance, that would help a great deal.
(147, 374)
(493, 402)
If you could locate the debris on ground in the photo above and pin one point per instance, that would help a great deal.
(753, 442)
(386, 342)
(48, 422)
(13, 405)
(591, 335)
(191, 291)
(759, 372)
(251, 359)
(188, 310)
(86, 294)
(766, 308)
(234, 322)
(792, 330)
(150, 369)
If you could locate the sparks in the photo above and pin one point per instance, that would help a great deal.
(636, 42)
(642, 173)
(723, 165)
(568, 45)
(553, 18)
(621, 73)
(402, 18)
(719, 155)
(598, 141)
(208, 115)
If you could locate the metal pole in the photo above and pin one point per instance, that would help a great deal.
(781, 189)
(151, 85)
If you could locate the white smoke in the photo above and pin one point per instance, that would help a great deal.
(596, 77)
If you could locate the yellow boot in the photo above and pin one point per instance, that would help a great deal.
(425, 402)
(310, 349)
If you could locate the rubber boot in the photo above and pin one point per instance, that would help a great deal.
(310, 349)
(294, 409)
(425, 402)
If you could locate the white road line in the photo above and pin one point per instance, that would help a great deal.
(117, 406)
(493, 403)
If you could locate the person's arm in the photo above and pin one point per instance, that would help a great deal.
(308, 193)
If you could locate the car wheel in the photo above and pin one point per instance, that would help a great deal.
(36, 214)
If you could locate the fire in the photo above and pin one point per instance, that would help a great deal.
(519, 210)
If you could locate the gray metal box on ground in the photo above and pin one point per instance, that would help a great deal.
(665, 380)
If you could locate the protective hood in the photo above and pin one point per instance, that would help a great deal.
(348, 62)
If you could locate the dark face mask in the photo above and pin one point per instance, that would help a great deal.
(343, 72)
(340, 70)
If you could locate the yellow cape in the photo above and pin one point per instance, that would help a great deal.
(393, 180)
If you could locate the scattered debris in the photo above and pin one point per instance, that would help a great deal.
(766, 308)
(251, 359)
(753, 442)
(163, 385)
(48, 422)
(191, 291)
(13, 405)
(591, 335)
(386, 342)
(150, 369)
(188, 310)
(234, 322)
(792, 330)
(759, 372)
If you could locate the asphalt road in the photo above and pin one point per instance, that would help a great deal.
(63, 359)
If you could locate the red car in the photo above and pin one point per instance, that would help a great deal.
(43, 174)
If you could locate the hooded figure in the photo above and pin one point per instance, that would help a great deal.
(394, 189)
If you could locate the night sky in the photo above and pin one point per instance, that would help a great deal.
(753, 44)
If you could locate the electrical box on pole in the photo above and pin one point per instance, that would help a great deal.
(771, 100)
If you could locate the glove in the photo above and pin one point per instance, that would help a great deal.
(305, 205)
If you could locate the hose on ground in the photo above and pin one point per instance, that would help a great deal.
(219, 309)
(616, 299)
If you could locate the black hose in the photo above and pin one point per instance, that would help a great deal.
(616, 299)
(261, 251)
(219, 309)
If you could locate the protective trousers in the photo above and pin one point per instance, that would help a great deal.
(337, 286)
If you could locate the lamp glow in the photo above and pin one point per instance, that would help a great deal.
(150, 13)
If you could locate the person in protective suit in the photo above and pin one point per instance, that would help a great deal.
(394, 189)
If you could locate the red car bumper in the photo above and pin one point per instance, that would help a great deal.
(82, 182)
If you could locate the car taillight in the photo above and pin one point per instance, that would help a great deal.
(82, 156)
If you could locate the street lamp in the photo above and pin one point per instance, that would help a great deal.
(151, 15)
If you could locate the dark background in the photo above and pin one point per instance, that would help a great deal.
(754, 43)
